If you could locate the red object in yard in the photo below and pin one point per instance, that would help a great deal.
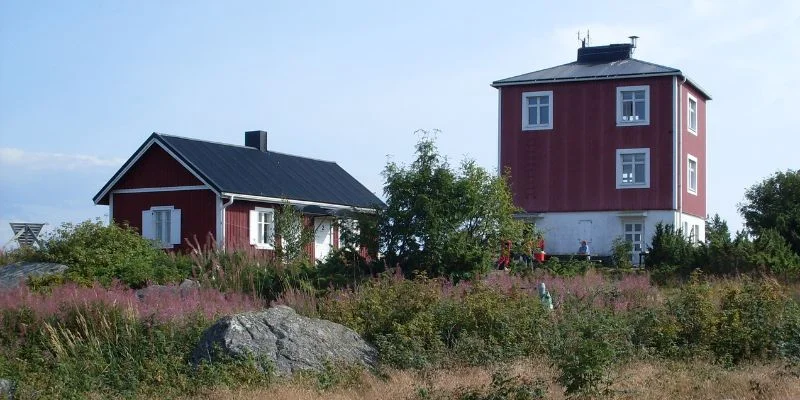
(539, 256)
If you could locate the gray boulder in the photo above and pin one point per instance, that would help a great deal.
(290, 341)
(12, 275)
(6, 389)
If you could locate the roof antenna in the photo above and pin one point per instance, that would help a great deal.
(633, 42)
(588, 38)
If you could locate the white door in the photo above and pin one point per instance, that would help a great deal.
(634, 233)
(322, 237)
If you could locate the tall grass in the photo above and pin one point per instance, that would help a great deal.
(78, 341)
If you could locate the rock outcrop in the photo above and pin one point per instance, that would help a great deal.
(12, 275)
(290, 341)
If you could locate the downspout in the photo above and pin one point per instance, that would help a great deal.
(680, 155)
(222, 218)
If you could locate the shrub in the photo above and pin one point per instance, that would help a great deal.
(773, 252)
(584, 346)
(94, 251)
(621, 252)
(669, 247)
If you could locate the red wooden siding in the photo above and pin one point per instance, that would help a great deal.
(237, 227)
(573, 166)
(197, 207)
(696, 146)
(156, 168)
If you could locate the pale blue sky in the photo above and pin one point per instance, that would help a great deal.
(82, 84)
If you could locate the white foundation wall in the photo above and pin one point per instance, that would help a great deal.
(563, 232)
(691, 220)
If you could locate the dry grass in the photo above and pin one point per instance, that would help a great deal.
(640, 380)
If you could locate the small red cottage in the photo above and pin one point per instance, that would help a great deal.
(174, 188)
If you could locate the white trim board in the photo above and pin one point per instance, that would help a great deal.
(161, 189)
(276, 200)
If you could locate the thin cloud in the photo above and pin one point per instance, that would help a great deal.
(19, 158)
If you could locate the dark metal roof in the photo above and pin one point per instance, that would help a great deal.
(248, 171)
(576, 70)
(580, 71)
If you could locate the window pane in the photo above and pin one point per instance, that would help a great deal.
(639, 94)
(640, 110)
(544, 115)
(639, 157)
(627, 173)
(637, 247)
(639, 173)
(532, 116)
(627, 158)
(627, 95)
(638, 227)
(530, 100)
(629, 237)
(627, 110)
(543, 99)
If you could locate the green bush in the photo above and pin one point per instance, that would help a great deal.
(621, 252)
(584, 347)
(670, 248)
(97, 252)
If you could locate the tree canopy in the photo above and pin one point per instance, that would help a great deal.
(443, 221)
(774, 203)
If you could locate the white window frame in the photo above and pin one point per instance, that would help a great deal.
(689, 127)
(173, 230)
(526, 125)
(256, 239)
(646, 119)
(689, 159)
(620, 153)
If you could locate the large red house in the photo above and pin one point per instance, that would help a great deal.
(174, 189)
(603, 147)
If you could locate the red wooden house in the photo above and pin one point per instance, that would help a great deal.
(173, 189)
(606, 146)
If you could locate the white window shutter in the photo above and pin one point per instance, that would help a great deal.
(253, 226)
(148, 226)
(175, 227)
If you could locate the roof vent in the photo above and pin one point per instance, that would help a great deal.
(256, 140)
(605, 54)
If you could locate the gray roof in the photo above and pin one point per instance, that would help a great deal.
(578, 71)
(245, 170)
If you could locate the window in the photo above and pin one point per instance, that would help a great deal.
(691, 174)
(691, 119)
(262, 228)
(633, 168)
(537, 110)
(162, 224)
(633, 105)
(634, 233)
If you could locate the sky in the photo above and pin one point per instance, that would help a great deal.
(84, 83)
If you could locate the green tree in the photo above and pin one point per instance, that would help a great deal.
(443, 221)
(774, 203)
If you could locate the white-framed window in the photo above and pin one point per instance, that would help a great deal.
(537, 110)
(691, 118)
(162, 225)
(691, 174)
(633, 232)
(262, 228)
(633, 168)
(633, 105)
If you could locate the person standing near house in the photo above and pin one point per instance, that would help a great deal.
(584, 249)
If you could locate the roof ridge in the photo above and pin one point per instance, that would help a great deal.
(241, 146)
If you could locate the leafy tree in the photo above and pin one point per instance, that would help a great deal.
(773, 252)
(292, 234)
(445, 222)
(775, 204)
(717, 230)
